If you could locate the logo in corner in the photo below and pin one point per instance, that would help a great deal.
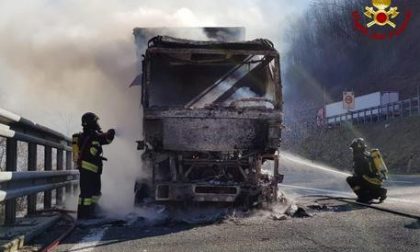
(381, 14)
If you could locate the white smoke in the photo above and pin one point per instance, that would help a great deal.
(59, 59)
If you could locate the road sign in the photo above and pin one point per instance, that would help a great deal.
(348, 100)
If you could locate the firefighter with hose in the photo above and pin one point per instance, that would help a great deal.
(369, 173)
(87, 153)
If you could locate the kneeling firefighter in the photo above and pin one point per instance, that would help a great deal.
(87, 153)
(369, 174)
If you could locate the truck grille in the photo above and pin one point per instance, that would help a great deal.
(163, 192)
(216, 190)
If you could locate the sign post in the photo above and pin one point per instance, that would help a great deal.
(348, 100)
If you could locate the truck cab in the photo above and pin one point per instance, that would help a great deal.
(212, 116)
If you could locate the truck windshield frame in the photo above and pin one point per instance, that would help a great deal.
(196, 78)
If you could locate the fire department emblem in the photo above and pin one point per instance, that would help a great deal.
(391, 21)
(383, 14)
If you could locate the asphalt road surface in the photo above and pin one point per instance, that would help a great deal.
(333, 225)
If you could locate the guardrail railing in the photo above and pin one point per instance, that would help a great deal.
(15, 184)
(404, 108)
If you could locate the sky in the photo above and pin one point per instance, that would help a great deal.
(54, 52)
(55, 49)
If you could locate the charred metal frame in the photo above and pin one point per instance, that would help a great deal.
(181, 121)
(151, 51)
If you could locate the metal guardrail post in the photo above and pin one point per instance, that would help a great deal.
(59, 191)
(11, 165)
(47, 167)
(68, 167)
(393, 110)
(364, 116)
(32, 161)
(401, 109)
(410, 107)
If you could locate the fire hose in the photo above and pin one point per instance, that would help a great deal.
(66, 214)
(351, 201)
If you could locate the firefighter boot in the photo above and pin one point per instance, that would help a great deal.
(364, 196)
(84, 209)
(383, 195)
(83, 212)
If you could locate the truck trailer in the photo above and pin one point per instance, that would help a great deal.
(212, 116)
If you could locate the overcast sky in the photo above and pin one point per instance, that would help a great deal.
(52, 52)
(58, 50)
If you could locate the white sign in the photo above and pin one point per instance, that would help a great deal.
(348, 100)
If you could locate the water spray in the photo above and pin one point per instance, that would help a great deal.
(302, 161)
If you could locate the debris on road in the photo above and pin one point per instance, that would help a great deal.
(301, 213)
(279, 217)
(414, 225)
(89, 223)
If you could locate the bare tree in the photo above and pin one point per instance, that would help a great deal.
(326, 51)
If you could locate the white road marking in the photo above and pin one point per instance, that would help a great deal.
(89, 242)
(402, 200)
(399, 182)
(341, 193)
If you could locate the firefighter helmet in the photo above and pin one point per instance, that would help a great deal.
(90, 120)
(358, 144)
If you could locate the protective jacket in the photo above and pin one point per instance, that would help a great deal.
(90, 150)
(87, 150)
(366, 182)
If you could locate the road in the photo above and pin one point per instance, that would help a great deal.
(334, 225)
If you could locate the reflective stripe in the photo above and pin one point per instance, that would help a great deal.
(85, 201)
(96, 143)
(89, 166)
(374, 181)
(93, 151)
(95, 199)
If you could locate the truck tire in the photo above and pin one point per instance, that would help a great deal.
(141, 193)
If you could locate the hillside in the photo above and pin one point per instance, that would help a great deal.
(328, 56)
(398, 140)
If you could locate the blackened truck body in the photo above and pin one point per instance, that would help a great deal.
(212, 117)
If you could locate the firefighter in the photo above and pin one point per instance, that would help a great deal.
(87, 153)
(366, 182)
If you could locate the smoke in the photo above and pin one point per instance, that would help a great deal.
(59, 59)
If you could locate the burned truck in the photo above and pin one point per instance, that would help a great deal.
(212, 117)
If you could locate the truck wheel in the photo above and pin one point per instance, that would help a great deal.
(142, 192)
